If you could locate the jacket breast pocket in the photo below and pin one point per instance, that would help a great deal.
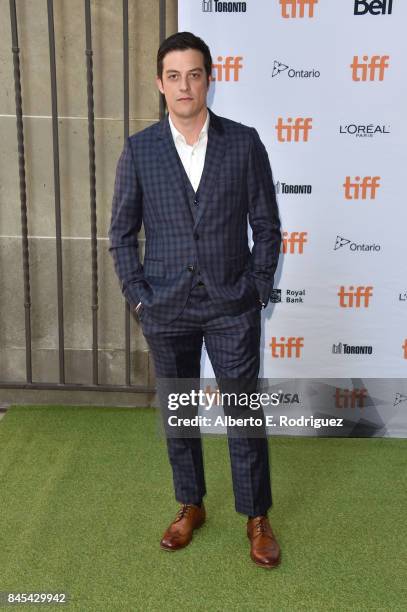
(153, 267)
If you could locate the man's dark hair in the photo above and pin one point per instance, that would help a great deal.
(180, 42)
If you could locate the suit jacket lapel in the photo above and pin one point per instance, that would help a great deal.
(215, 151)
(172, 164)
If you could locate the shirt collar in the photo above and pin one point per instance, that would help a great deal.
(178, 136)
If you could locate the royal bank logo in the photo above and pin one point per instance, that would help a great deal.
(342, 348)
(275, 296)
(374, 7)
(288, 296)
(215, 6)
(364, 130)
(354, 247)
(293, 73)
(292, 189)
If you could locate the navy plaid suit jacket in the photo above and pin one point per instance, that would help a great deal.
(236, 186)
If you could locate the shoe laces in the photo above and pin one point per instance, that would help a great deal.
(185, 508)
(260, 526)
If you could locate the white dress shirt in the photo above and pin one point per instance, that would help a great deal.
(192, 156)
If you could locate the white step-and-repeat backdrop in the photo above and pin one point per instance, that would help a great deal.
(325, 85)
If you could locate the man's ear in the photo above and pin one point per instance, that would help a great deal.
(159, 84)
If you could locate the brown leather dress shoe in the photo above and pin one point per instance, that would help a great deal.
(265, 550)
(179, 533)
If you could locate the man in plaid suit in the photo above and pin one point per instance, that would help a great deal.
(194, 180)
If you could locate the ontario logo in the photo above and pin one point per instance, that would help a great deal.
(293, 73)
(215, 6)
(342, 242)
(400, 398)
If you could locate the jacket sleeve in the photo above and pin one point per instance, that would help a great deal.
(263, 218)
(125, 224)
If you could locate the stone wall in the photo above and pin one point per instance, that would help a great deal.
(75, 200)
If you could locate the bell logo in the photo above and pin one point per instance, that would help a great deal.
(345, 398)
(374, 7)
(286, 132)
(293, 242)
(359, 188)
(286, 348)
(223, 69)
(355, 297)
(367, 71)
(289, 8)
(404, 347)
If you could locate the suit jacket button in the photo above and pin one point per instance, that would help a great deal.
(191, 268)
(196, 236)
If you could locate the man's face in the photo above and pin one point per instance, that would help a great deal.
(184, 83)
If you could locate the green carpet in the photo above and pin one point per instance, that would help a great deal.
(87, 492)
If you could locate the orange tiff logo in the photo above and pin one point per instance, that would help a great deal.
(289, 8)
(366, 70)
(361, 188)
(293, 242)
(346, 398)
(289, 132)
(355, 297)
(404, 347)
(227, 67)
(286, 348)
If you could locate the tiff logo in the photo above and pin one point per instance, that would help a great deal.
(293, 242)
(289, 8)
(355, 297)
(367, 71)
(374, 7)
(224, 69)
(286, 348)
(286, 132)
(354, 398)
(361, 188)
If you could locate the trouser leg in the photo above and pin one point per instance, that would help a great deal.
(177, 355)
(233, 346)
